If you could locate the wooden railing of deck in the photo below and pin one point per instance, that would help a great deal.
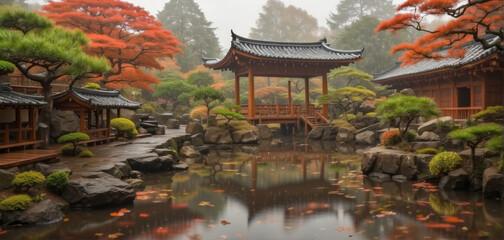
(460, 112)
(99, 133)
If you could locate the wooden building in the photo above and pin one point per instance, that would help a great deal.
(94, 108)
(256, 58)
(18, 118)
(459, 86)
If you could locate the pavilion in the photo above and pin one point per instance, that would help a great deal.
(92, 106)
(460, 86)
(251, 58)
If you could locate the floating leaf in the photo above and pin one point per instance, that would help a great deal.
(463, 203)
(161, 230)
(66, 220)
(219, 191)
(241, 235)
(98, 234)
(143, 215)
(224, 222)
(439, 225)
(194, 236)
(115, 235)
(206, 204)
(466, 213)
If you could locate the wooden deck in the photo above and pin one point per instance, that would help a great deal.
(287, 114)
(13, 159)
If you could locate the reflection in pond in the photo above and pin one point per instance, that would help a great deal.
(281, 190)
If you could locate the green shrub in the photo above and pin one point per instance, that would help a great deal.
(125, 127)
(432, 151)
(349, 116)
(494, 143)
(39, 197)
(229, 115)
(56, 181)
(26, 180)
(92, 86)
(490, 114)
(371, 114)
(411, 136)
(15, 203)
(444, 162)
(68, 150)
(74, 139)
(6, 67)
(86, 154)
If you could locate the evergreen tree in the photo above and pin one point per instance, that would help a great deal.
(349, 11)
(186, 20)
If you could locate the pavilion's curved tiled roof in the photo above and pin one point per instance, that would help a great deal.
(9, 97)
(100, 98)
(319, 50)
(474, 53)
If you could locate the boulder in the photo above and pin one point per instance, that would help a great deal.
(63, 122)
(47, 169)
(118, 169)
(330, 133)
(455, 180)
(147, 162)
(421, 145)
(245, 137)
(166, 116)
(428, 136)
(186, 143)
(160, 130)
(432, 125)
(197, 139)
(479, 155)
(143, 117)
(44, 212)
(6, 178)
(389, 162)
(366, 108)
(142, 130)
(215, 135)
(368, 161)
(136, 183)
(422, 162)
(97, 192)
(407, 92)
(365, 138)
(181, 166)
(164, 151)
(408, 167)
(194, 128)
(189, 152)
(345, 135)
(264, 131)
(203, 149)
(136, 174)
(379, 176)
(493, 183)
(316, 132)
(173, 124)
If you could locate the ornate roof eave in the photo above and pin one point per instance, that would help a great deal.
(77, 93)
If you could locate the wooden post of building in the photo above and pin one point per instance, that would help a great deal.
(6, 135)
(118, 112)
(19, 136)
(325, 109)
(89, 119)
(307, 95)
(237, 90)
(32, 122)
(97, 119)
(108, 122)
(251, 98)
(290, 99)
(82, 122)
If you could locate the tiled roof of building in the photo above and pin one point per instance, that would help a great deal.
(320, 50)
(9, 97)
(100, 98)
(474, 53)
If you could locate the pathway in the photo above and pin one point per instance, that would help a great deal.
(115, 152)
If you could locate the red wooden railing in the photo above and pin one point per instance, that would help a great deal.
(460, 112)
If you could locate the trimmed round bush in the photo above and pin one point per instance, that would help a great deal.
(125, 127)
(15, 203)
(432, 151)
(391, 137)
(92, 86)
(86, 154)
(68, 150)
(444, 162)
(74, 139)
(56, 181)
(27, 180)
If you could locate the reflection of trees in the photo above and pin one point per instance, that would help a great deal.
(442, 206)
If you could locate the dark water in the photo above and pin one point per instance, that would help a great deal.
(288, 190)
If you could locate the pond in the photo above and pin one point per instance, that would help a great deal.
(285, 189)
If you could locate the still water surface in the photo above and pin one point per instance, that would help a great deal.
(281, 190)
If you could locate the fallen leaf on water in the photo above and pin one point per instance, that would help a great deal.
(194, 236)
(387, 213)
(161, 230)
(66, 220)
(115, 214)
(212, 226)
(115, 235)
(206, 204)
(333, 192)
(308, 212)
(369, 221)
(366, 190)
(98, 234)
(143, 197)
(377, 188)
(380, 215)
(241, 235)
(463, 203)
(144, 215)
(423, 203)
(453, 220)
(144, 193)
(224, 222)
(439, 225)
(290, 209)
(422, 218)
(349, 196)
(479, 204)
(466, 213)
(219, 191)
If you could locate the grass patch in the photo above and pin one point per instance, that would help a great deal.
(240, 126)
(343, 124)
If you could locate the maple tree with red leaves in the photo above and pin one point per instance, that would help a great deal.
(127, 35)
(470, 20)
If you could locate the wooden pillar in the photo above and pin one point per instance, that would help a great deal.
(19, 135)
(251, 98)
(307, 95)
(118, 112)
(108, 122)
(483, 91)
(6, 135)
(98, 120)
(237, 90)
(32, 122)
(471, 88)
(82, 122)
(290, 99)
(89, 119)
(325, 109)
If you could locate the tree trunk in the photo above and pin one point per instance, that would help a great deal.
(46, 113)
(473, 152)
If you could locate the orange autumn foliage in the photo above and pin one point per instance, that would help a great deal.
(127, 35)
(195, 70)
(470, 20)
